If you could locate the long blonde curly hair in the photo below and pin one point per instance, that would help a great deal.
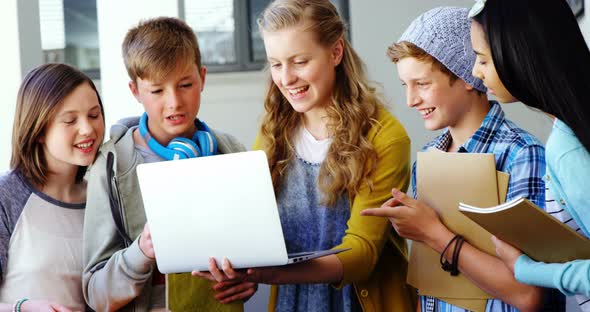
(351, 158)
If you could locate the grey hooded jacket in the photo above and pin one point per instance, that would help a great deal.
(117, 275)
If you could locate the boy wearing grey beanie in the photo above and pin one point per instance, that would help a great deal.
(434, 60)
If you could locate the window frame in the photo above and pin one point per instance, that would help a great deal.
(243, 45)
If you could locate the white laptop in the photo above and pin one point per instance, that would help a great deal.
(216, 206)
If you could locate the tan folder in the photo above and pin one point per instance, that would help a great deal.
(542, 237)
(444, 180)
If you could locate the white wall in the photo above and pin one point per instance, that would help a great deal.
(584, 21)
(21, 51)
(9, 82)
(114, 19)
(233, 102)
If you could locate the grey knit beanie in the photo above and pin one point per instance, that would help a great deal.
(444, 33)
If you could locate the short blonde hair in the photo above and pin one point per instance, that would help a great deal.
(156, 47)
(403, 49)
(41, 92)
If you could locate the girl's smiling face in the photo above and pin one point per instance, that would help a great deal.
(484, 67)
(303, 69)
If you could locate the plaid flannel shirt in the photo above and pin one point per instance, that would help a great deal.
(517, 153)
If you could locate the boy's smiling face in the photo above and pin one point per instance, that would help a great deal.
(172, 104)
(440, 102)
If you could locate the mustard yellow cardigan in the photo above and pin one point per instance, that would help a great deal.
(378, 261)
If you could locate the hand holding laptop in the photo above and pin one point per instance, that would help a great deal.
(228, 274)
(325, 269)
(233, 284)
(230, 291)
(145, 242)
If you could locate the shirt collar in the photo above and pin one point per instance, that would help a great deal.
(480, 140)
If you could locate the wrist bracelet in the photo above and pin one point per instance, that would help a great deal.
(456, 250)
(446, 266)
(18, 304)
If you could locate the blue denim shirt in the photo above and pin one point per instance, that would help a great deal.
(309, 225)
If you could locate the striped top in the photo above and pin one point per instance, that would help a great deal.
(562, 215)
(568, 169)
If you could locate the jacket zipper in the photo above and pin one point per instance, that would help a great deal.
(120, 206)
(116, 190)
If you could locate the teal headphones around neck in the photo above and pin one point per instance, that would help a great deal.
(203, 142)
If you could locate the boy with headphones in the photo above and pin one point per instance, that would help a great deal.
(163, 61)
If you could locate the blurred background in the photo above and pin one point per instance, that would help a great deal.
(88, 35)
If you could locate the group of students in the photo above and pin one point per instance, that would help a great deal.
(74, 241)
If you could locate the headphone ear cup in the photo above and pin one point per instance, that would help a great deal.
(207, 142)
(202, 144)
(184, 147)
